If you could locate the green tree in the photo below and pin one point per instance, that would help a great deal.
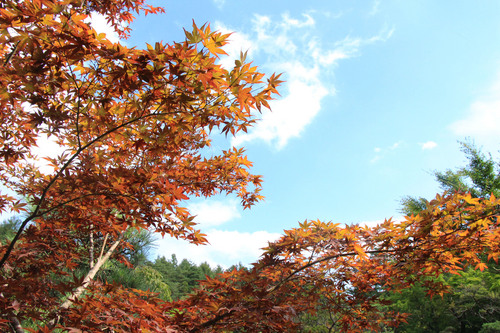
(474, 298)
(143, 277)
(473, 301)
(427, 315)
(480, 177)
(491, 327)
(8, 229)
(137, 272)
(185, 276)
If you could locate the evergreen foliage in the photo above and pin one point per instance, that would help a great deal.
(491, 327)
(8, 229)
(473, 303)
(480, 177)
(182, 277)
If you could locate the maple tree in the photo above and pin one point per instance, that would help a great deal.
(347, 268)
(132, 125)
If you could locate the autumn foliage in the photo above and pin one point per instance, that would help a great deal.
(349, 266)
(133, 126)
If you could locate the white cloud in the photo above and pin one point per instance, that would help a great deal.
(238, 42)
(375, 8)
(46, 147)
(212, 213)
(289, 45)
(370, 224)
(428, 145)
(482, 120)
(381, 152)
(335, 15)
(291, 22)
(395, 145)
(219, 3)
(328, 57)
(292, 113)
(226, 248)
(348, 47)
(100, 25)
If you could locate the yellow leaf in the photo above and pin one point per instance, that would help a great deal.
(481, 266)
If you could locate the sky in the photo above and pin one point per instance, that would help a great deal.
(377, 96)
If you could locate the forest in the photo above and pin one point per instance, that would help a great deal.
(132, 125)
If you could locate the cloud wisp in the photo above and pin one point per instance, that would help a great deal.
(381, 152)
(219, 3)
(213, 213)
(375, 8)
(100, 25)
(290, 45)
(428, 145)
(482, 119)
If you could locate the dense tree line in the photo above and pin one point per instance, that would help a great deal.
(179, 278)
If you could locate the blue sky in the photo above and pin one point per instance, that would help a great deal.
(377, 95)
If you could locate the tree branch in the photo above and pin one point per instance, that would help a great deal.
(59, 173)
(103, 246)
(7, 59)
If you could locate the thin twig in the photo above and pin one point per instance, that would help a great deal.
(7, 59)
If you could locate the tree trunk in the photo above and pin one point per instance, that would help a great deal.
(91, 251)
(90, 275)
(16, 325)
